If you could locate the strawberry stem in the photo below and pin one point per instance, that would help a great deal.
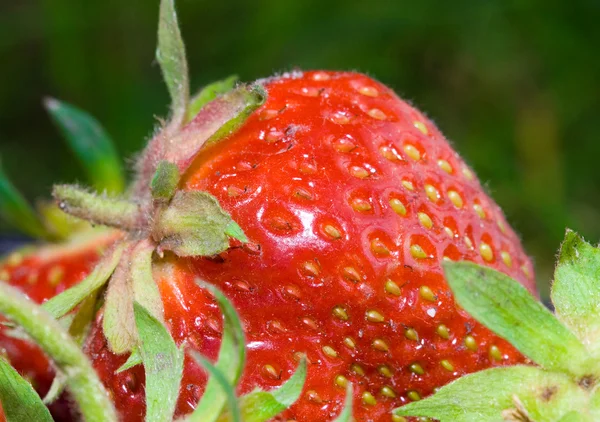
(112, 212)
(83, 382)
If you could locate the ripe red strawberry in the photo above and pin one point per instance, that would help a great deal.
(351, 199)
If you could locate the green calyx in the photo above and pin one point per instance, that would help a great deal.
(565, 384)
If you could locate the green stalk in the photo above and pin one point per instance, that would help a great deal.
(83, 382)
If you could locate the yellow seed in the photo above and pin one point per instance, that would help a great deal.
(398, 206)
(501, 225)
(506, 258)
(486, 251)
(479, 210)
(385, 371)
(313, 396)
(270, 371)
(471, 343)
(309, 322)
(427, 294)
(340, 119)
(411, 334)
(495, 352)
(388, 153)
(341, 381)
(360, 205)
(311, 268)
(388, 392)
(349, 342)
(468, 242)
(379, 344)
(413, 395)
(412, 152)
(368, 91)
(330, 351)
(455, 198)
(340, 313)
(321, 76)
(374, 316)
(449, 231)
(359, 172)
(432, 193)
(332, 231)
(344, 145)
(425, 220)
(408, 185)
(357, 369)
(303, 194)
(447, 365)
(55, 275)
(379, 248)
(396, 418)
(446, 258)
(526, 271)
(368, 399)
(443, 331)
(467, 173)
(392, 288)
(445, 165)
(417, 252)
(421, 126)
(377, 114)
(351, 274)
(415, 368)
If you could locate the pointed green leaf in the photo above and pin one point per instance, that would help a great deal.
(576, 290)
(163, 365)
(170, 54)
(63, 303)
(118, 323)
(92, 145)
(56, 388)
(485, 395)
(165, 180)
(219, 379)
(235, 231)
(261, 406)
(145, 289)
(134, 359)
(19, 400)
(83, 382)
(209, 93)
(230, 363)
(507, 308)
(346, 415)
(193, 224)
(16, 211)
(82, 319)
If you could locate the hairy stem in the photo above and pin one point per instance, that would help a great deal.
(103, 210)
(83, 382)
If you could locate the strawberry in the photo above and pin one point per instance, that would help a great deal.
(351, 200)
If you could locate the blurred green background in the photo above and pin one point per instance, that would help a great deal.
(515, 84)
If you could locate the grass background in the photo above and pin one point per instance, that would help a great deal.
(514, 83)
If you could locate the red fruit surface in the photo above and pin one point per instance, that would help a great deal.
(351, 199)
(41, 273)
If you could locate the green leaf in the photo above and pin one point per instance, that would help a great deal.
(346, 415)
(507, 308)
(235, 231)
(17, 211)
(163, 366)
(260, 406)
(575, 417)
(230, 363)
(134, 359)
(83, 382)
(60, 305)
(56, 388)
(145, 289)
(485, 395)
(209, 93)
(90, 142)
(165, 180)
(211, 414)
(576, 290)
(193, 224)
(170, 54)
(19, 400)
(118, 323)
(82, 320)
